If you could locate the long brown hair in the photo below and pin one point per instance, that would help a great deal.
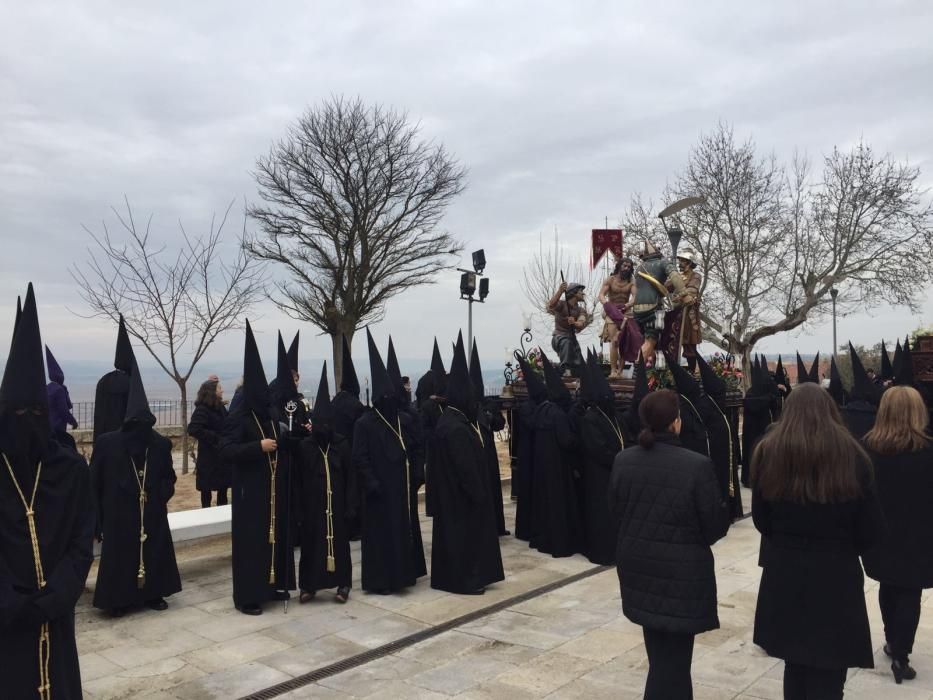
(901, 423)
(207, 395)
(808, 456)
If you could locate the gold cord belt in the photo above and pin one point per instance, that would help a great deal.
(273, 466)
(615, 426)
(331, 561)
(140, 475)
(45, 648)
(728, 428)
(401, 441)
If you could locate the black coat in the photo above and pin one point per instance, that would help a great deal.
(429, 414)
(693, 434)
(724, 451)
(667, 506)
(756, 417)
(811, 601)
(110, 402)
(250, 502)
(556, 528)
(116, 486)
(347, 410)
(490, 421)
(465, 552)
(393, 555)
(64, 517)
(310, 484)
(600, 438)
(903, 554)
(206, 426)
(523, 436)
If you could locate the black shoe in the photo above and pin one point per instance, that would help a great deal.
(343, 594)
(282, 595)
(887, 651)
(902, 671)
(117, 612)
(504, 533)
(250, 609)
(157, 604)
(478, 591)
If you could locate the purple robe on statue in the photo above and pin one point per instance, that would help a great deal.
(630, 338)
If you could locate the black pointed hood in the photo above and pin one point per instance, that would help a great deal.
(476, 374)
(460, 393)
(780, 375)
(137, 403)
(602, 390)
(898, 359)
(255, 387)
(556, 389)
(713, 384)
(283, 387)
(123, 357)
(23, 384)
(815, 370)
(640, 376)
(382, 386)
(887, 372)
(322, 411)
(55, 370)
(863, 388)
(537, 391)
(19, 313)
(803, 375)
(293, 352)
(685, 382)
(905, 373)
(587, 387)
(835, 383)
(438, 371)
(395, 373)
(348, 379)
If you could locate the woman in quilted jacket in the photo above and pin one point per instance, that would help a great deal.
(669, 510)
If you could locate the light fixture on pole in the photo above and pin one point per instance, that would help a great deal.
(468, 288)
(833, 292)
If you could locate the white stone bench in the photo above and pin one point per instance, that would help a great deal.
(199, 523)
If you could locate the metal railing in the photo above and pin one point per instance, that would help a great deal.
(167, 412)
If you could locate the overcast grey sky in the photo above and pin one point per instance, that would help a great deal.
(559, 111)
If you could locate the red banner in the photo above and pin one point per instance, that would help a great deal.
(605, 239)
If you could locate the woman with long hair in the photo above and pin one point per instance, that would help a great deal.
(666, 503)
(902, 560)
(813, 501)
(205, 426)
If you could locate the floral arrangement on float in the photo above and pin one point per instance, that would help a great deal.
(659, 378)
(724, 366)
(533, 358)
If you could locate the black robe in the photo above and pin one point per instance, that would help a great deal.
(556, 528)
(523, 435)
(601, 444)
(430, 413)
(490, 421)
(723, 451)
(393, 555)
(309, 483)
(110, 402)
(114, 480)
(347, 410)
(465, 555)
(756, 417)
(252, 490)
(693, 434)
(64, 517)
(859, 417)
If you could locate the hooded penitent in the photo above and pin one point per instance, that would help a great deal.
(63, 513)
(898, 359)
(123, 357)
(293, 353)
(395, 374)
(757, 414)
(815, 370)
(60, 416)
(713, 384)
(137, 404)
(110, 395)
(255, 387)
(489, 420)
(19, 314)
(438, 371)
(383, 390)
(904, 375)
(476, 374)
(835, 383)
(803, 374)
(348, 379)
(630, 420)
(887, 372)
(283, 388)
(537, 391)
(693, 434)
(322, 414)
(460, 394)
(557, 391)
(25, 436)
(859, 412)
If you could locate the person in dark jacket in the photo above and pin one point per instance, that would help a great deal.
(859, 412)
(813, 501)
(205, 426)
(60, 415)
(902, 559)
(666, 503)
(133, 479)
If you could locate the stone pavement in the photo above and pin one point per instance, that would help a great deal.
(572, 642)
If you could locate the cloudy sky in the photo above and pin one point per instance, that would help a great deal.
(559, 110)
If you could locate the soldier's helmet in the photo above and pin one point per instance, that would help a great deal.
(648, 249)
(689, 255)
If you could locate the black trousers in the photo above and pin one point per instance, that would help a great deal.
(808, 683)
(900, 611)
(206, 498)
(669, 658)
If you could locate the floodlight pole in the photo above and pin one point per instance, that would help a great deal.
(470, 301)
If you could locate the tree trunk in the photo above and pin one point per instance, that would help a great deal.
(337, 354)
(183, 386)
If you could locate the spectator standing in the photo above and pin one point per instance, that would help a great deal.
(213, 472)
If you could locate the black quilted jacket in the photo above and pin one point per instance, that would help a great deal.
(667, 506)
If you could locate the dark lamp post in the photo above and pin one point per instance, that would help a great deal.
(834, 293)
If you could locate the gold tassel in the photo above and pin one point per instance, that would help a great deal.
(141, 579)
(272, 575)
(331, 564)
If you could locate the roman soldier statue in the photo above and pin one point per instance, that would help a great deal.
(655, 278)
(682, 324)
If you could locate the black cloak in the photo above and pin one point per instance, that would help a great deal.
(64, 522)
(390, 464)
(693, 435)
(113, 387)
(489, 421)
(523, 434)
(347, 409)
(431, 386)
(756, 417)
(260, 567)
(859, 412)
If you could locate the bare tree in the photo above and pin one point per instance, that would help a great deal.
(541, 278)
(773, 243)
(353, 199)
(175, 303)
